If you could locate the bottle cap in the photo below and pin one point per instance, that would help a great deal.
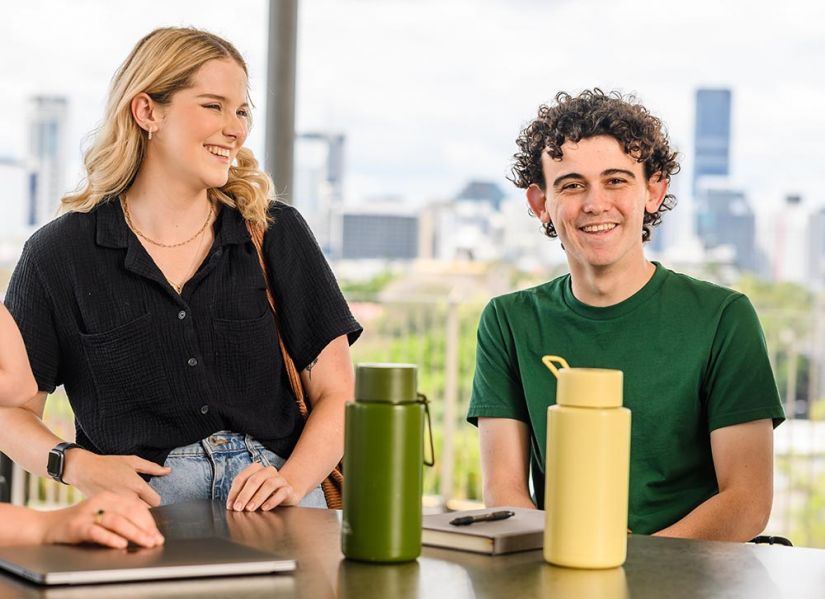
(589, 387)
(390, 383)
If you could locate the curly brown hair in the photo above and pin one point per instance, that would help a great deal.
(589, 114)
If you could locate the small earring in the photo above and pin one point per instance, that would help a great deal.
(150, 134)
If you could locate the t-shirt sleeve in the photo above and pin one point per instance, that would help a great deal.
(312, 310)
(497, 389)
(31, 307)
(740, 386)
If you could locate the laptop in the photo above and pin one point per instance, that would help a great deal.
(177, 558)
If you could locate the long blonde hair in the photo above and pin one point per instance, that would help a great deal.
(162, 63)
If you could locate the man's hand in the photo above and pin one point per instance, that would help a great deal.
(259, 487)
(107, 519)
(120, 474)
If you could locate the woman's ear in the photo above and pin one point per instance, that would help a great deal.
(146, 113)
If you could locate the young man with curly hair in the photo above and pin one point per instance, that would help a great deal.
(596, 169)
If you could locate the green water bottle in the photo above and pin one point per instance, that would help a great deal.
(383, 457)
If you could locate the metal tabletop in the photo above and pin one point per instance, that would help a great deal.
(655, 567)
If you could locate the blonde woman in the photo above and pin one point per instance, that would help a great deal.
(148, 303)
(106, 519)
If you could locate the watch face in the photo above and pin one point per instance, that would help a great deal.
(55, 464)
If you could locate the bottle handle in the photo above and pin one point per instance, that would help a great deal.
(422, 399)
(549, 362)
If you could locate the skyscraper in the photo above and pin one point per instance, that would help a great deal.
(712, 134)
(724, 218)
(47, 156)
(319, 186)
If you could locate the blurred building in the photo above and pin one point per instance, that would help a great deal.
(816, 252)
(725, 218)
(482, 192)
(788, 242)
(47, 120)
(319, 185)
(468, 227)
(712, 134)
(383, 232)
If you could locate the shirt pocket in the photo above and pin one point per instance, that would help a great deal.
(240, 304)
(132, 387)
(247, 357)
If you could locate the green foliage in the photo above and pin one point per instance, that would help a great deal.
(806, 492)
(368, 288)
(417, 333)
(784, 309)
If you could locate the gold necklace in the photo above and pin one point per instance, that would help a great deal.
(179, 287)
(140, 234)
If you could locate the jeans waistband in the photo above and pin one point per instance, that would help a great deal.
(219, 442)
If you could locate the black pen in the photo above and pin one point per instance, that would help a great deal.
(464, 520)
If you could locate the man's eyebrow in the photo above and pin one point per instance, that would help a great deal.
(216, 97)
(561, 179)
(618, 171)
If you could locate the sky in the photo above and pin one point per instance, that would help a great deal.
(432, 93)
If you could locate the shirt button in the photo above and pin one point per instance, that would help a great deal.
(181, 314)
(204, 409)
(192, 361)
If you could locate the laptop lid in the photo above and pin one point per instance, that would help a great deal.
(177, 558)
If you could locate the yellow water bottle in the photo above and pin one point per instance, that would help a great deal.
(588, 468)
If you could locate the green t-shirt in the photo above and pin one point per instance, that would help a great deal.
(694, 360)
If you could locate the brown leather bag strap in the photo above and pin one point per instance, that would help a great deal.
(291, 371)
(333, 484)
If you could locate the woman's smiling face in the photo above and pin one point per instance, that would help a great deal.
(204, 126)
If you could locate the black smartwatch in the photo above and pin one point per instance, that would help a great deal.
(57, 460)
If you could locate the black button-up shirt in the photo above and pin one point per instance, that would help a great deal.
(147, 370)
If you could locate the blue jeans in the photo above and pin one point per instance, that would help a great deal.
(206, 469)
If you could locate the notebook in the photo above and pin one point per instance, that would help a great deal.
(521, 532)
(177, 558)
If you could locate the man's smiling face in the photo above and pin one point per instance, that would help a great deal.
(596, 196)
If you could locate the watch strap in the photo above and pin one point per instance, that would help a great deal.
(61, 449)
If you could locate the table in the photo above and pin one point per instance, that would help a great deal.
(655, 568)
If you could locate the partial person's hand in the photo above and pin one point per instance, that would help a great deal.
(107, 519)
(258, 487)
(92, 474)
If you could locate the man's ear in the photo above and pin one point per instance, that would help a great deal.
(656, 190)
(537, 200)
(146, 112)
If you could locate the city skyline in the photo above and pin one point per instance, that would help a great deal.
(428, 102)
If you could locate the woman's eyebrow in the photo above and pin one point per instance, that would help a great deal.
(218, 97)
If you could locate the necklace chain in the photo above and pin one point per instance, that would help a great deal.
(178, 287)
(140, 233)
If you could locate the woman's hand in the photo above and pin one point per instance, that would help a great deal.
(260, 487)
(92, 474)
(107, 519)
